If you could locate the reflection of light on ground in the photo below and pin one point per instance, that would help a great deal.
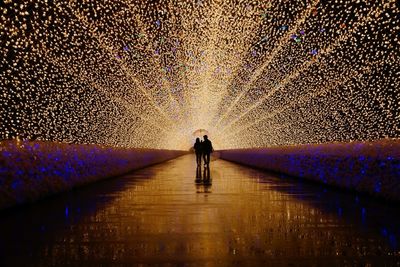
(159, 215)
(145, 74)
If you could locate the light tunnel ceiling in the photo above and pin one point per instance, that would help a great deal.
(149, 73)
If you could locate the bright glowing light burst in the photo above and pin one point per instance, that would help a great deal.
(149, 73)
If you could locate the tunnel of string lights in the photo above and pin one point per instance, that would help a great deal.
(149, 73)
(143, 74)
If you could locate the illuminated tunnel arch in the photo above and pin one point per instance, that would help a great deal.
(123, 75)
(145, 74)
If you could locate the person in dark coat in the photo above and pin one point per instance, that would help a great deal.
(207, 150)
(198, 148)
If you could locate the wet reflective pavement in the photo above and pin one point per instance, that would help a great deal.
(159, 216)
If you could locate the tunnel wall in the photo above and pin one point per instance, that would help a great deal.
(367, 167)
(32, 170)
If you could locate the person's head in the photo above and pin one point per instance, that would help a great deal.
(205, 137)
(197, 140)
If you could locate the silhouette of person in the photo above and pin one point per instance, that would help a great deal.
(207, 150)
(198, 173)
(198, 148)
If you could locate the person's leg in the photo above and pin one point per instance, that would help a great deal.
(198, 158)
(208, 173)
(204, 158)
(208, 158)
(198, 172)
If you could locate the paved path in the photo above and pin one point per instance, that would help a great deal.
(159, 217)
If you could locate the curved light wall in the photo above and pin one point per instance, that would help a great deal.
(147, 74)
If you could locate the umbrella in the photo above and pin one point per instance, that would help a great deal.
(200, 133)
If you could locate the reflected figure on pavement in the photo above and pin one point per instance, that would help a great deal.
(198, 149)
(207, 150)
(203, 188)
(206, 174)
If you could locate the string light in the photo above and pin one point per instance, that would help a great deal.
(146, 74)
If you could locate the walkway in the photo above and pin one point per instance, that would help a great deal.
(159, 217)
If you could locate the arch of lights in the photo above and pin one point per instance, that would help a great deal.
(143, 73)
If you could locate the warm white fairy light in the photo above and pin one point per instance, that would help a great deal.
(253, 73)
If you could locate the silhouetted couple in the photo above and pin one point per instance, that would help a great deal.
(203, 149)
